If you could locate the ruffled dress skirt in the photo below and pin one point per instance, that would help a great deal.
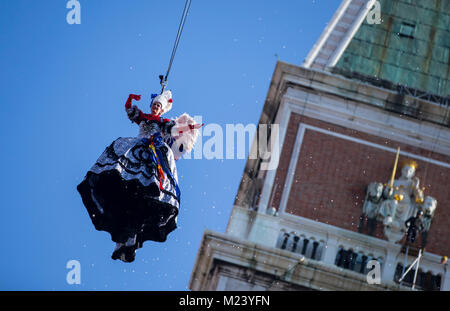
(132, 190)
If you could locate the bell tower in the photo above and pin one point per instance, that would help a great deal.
(367, 93)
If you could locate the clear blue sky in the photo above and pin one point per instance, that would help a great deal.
(63, 92)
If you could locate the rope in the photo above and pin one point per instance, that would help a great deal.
(187, 5)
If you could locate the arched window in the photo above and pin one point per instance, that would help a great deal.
(305, 246)
(348, 258)
(426, 281)
(285, 241)
(314, 249)
(280, 240)
(295, 244)
(319, 251)
(290, 241)
(309, 248)
(428, 284)
(398, 272)
(339, 257)
(298, 248)
(358, 263)
(420, 282)
(352, 262)
(438, 281)
(364, 261)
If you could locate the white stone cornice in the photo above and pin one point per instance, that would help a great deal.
(279, 264)
(370, 120)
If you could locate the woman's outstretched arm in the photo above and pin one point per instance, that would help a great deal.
(133, 112)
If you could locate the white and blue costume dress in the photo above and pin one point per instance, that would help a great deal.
(132, 189)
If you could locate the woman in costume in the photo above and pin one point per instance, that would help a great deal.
(132, 190)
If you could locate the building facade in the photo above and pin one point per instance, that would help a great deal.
(369, 92)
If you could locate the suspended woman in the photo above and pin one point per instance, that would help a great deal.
(132, 190)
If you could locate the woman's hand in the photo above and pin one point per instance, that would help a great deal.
(135, 97)
(134, 114)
